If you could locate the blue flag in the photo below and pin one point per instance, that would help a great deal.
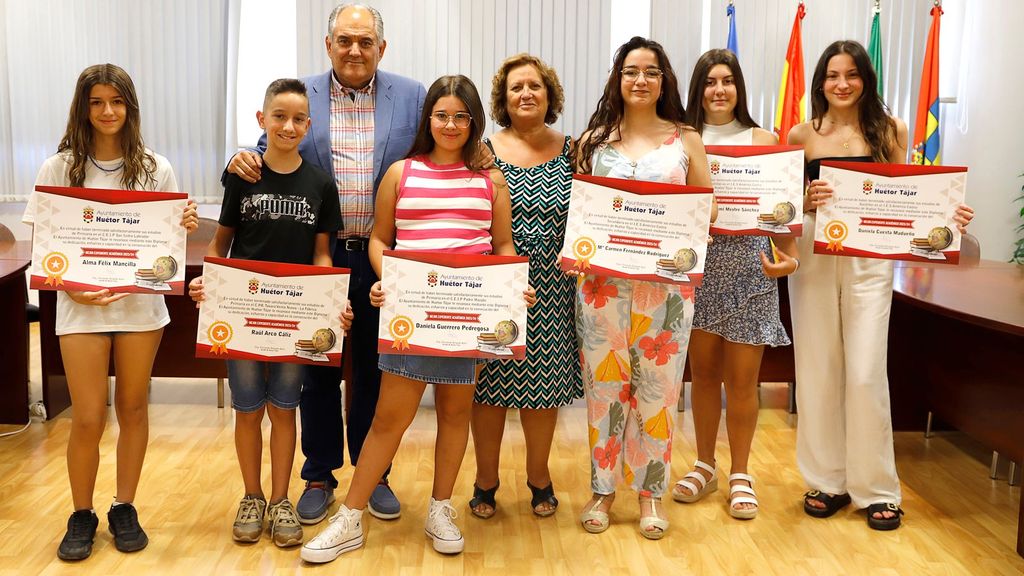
(732, 45)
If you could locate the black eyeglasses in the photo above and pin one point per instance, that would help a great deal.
(460, 119)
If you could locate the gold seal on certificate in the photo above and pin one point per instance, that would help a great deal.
(55, 265)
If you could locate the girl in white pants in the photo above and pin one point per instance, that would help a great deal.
(841, 306)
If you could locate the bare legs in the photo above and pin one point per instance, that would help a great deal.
(249, 447)
(396, 408)
(86, 364)
(715, 360)
(488, 429)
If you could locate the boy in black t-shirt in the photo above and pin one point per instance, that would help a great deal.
(288, 216)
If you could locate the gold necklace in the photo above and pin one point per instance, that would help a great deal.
(849, 135)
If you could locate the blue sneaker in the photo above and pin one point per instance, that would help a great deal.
(384, 504)
(314, 502)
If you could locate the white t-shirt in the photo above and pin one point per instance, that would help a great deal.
(135, 312)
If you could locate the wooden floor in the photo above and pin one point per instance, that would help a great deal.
(958, 520)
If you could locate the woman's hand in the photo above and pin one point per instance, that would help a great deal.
(347, 316)
(195, 290)
(964, 215)
(783, 266)
(530, 296)
(97, 298)
(190, 218)
(376, 295)
(819, 192)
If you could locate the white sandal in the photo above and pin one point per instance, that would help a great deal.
(593, 514)
(653, 527)
(742, 514)
(696, 492)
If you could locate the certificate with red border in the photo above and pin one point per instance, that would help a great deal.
(271, 312)
(891, 211)
(455, 305)
(121, 240)
(759, 189)
(641, 230)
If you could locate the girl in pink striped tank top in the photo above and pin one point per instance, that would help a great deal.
(440, 199)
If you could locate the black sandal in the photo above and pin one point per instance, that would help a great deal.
(833, 503)
(481, 496)
(884, 523)
(541, 496)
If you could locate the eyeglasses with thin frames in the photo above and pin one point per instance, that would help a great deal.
(460, 119)
(651, 74)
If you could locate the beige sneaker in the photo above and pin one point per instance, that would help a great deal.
(249, 519)
(283, 524)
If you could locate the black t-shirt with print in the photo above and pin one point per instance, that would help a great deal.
(277, 219)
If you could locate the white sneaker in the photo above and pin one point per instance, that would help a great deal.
(440, 528)
(344, 533)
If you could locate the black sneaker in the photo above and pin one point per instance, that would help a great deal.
(77, 542)
(124, 525)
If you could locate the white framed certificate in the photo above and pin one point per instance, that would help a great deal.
(759, 189)
(649, 231)
(454, 305)
(271, 312)
(121, 240)
(891, 211)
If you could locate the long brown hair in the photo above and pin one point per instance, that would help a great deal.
(610, 108)
(462, 88)
(695, 96)
(877, 126)
(139, 166)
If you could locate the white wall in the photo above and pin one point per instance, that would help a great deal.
(991, 144)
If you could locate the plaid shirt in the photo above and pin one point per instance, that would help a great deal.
(352, 155)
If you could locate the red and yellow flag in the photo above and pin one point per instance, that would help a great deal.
(792, 102)
(926, 128)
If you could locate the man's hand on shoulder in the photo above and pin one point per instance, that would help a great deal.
(247, 165)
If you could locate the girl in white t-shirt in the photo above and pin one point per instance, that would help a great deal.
(102, 147)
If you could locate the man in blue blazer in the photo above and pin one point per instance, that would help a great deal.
(347, 104)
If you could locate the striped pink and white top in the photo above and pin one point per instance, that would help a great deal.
(443, 208)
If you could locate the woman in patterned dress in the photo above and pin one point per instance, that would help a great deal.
(526, 97)
(737, 309)
(633, 335)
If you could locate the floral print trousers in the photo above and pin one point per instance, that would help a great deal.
(633, 337)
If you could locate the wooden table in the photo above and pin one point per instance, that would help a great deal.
(14, 261)
(956, 349)
(175, 358)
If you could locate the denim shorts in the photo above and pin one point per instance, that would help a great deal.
(431, 369)
(255, 383)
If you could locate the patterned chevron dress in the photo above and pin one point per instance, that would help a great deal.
(550, 374)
